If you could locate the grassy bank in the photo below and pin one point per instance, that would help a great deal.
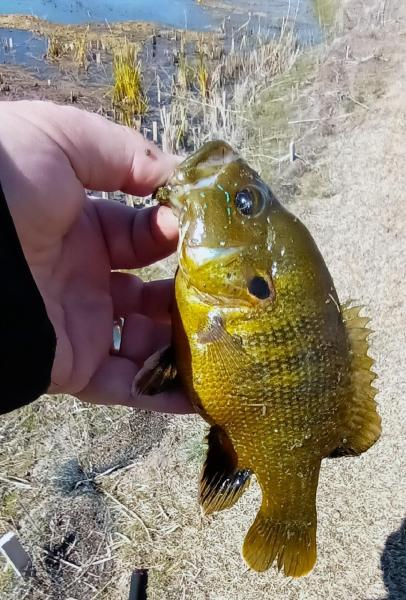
(136, 31)
(192, 85)
(326, 11)
(106, 34)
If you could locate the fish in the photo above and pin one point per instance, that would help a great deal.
(265, 352)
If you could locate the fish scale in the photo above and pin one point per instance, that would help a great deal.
(265, 353)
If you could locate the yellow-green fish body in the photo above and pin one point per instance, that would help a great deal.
(265, 352)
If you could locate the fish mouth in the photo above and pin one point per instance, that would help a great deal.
(193, 261)
(201, 255)
(199, 171)
(254, 291)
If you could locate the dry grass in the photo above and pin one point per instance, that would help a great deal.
(71, 51)
(220, 103)
(56, 48)
(175, 126)
(51, 481)
(203, 78)
(184, 72)
(81, 50)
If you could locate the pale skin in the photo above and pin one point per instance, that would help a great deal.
(49, 155)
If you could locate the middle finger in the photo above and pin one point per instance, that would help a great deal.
(141, 337)
(132, 295)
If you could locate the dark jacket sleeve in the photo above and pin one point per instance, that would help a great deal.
(27, 337)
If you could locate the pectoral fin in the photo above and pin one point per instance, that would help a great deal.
(221, 482)
(223, 348)
(158, 374)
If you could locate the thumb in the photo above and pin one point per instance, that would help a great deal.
(104, 155)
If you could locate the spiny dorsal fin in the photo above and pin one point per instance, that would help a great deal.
(221, 482)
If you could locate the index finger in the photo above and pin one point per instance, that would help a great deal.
(136, 237)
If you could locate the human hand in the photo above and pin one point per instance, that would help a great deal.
(48, 155)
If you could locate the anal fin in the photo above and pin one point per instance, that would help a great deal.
(221, 482)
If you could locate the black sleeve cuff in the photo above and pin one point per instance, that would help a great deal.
(27, 337)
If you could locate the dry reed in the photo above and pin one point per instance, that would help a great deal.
(129, 98)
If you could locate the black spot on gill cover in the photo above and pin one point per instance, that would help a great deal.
(259, 288)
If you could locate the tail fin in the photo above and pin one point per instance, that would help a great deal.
(291, 544)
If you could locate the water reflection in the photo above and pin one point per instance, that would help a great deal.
(179, 13)
(21, 47)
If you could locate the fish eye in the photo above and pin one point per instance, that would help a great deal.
(244, 202)
(249, 202)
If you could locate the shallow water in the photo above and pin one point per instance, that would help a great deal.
(21, 48)
(26, 49)
(178, 13)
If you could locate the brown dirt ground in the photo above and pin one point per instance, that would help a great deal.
(16, 83)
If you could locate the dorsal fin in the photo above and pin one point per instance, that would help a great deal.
(363, 423)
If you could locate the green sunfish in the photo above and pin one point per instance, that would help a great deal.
(265, 352)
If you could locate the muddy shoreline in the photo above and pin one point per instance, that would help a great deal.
(16, 83)
(62, 79)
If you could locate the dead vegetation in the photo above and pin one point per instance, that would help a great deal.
(216, 96)
(106, 34)
(53, 475)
